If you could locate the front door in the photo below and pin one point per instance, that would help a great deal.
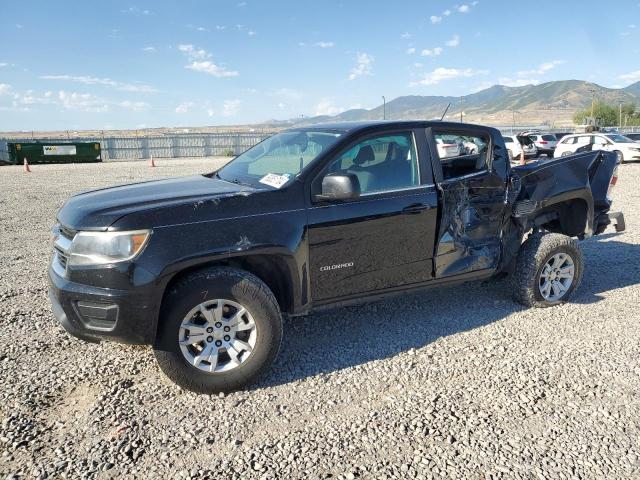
(383, 239)
(473, 184)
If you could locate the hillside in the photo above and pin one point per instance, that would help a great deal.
(551, 103)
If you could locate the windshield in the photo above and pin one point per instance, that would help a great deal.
(279, 158)
(619, 139)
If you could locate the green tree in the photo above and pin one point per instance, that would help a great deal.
(607, 115)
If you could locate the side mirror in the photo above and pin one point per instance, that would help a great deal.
(339, 187)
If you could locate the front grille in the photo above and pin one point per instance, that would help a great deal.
(62, 257)
(61, 247)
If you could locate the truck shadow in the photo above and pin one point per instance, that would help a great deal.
(340, 338)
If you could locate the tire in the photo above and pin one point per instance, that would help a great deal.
(535, 254)
(619, 156)
(218, 290)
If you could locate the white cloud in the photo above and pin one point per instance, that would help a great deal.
(517, 82)
(454, 42)
(441, 74)
(406, 35)
(149, 49)
(364, 64)
(542, 68)
(136, 11)
(107, 82)
(630, 77)
(84, 102)
(410, 51)
(194, 53)
(135, 106)
(48, 94)
(326, 107)
(231, 107)
(198, 64)
(184, 107)
(446, 13)
(3, 64)
(464, 8)
(19, 26)
(211, 69)
(435, 19)
(251, 33)
(221, 27)
(210, 112)
(324, 44)
(5, 89)
(433, 52)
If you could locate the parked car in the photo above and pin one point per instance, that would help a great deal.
(514, 149)
(448, 147)
(529, 147)
(203, 268)
(561, 135)
(633, 136)
(544, 142)
(624, 148)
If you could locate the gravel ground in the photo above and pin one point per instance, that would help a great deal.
(456, 382)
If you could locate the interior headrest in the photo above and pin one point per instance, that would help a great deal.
(365, 154)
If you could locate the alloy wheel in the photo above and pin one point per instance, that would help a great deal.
(217, 336)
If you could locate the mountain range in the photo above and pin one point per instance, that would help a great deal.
(551, 103)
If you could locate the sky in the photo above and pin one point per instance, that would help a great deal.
(125, 64)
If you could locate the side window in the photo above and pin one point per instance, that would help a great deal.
(461, 154)
(386, 162)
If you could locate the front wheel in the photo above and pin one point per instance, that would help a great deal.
(219, 330)
(548, 270)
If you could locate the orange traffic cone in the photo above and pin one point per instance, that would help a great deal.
(152, 164)
(26, 165)
(522, 160)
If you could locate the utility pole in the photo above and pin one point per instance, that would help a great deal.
(461, 100)
(620, 115)
(593, 101)
(384, 108)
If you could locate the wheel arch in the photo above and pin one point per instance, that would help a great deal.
(273, 270)
(568, 215)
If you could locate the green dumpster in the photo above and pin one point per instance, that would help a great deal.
(41, 152)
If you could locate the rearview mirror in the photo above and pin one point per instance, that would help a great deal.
(339, 187)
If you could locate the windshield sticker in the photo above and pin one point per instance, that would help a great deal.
(273, 180)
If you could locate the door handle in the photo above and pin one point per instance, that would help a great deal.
(415, 208)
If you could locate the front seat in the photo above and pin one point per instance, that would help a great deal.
(366, 178)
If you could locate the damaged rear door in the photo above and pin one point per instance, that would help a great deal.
(472, 182)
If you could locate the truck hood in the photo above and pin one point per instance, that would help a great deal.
(100, 209)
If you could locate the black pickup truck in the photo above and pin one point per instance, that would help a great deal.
(203, 268)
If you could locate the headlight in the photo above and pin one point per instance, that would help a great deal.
(99, 248)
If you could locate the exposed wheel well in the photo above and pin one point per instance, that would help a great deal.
(265, 267)
(569, 218)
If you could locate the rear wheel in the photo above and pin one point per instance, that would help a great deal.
(220, 329)
(548, 270)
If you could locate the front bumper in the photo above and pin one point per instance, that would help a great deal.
(94, 314)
